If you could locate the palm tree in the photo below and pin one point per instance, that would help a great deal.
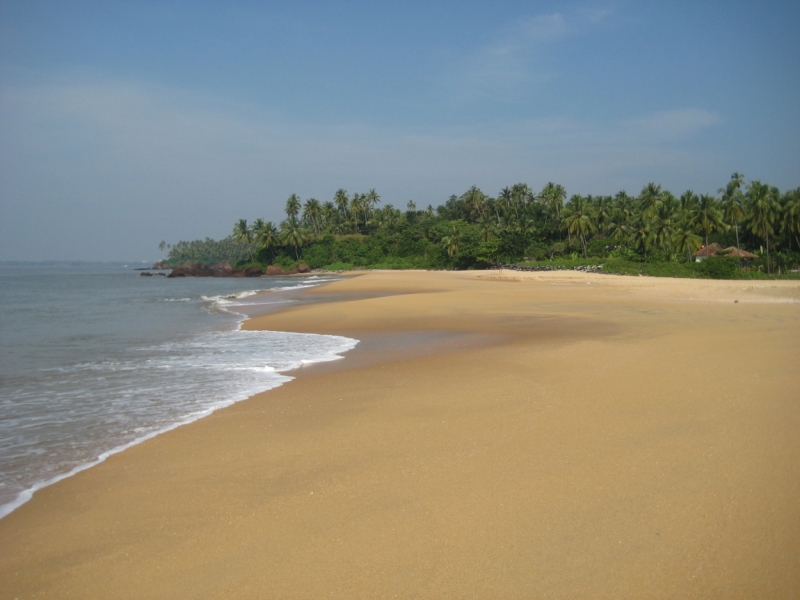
(372, 199)
(312, 212)
(292, 235)
(791, 215)
(662, 225)
(243, 234)
(552, 198)
(292, 206)
(685, 240)
(641, 235)
(649, 197)
(689, 202)
(342, 202)
(732, 202)
(488, 227)
(452, 241)
(578, 219)
(603, 211)
(328, 214)
(266, 236)
(761, 211)
(475, 197)
(707, 216)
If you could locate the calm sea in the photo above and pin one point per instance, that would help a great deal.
(95, 358)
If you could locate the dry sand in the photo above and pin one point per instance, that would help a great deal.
(495, 435)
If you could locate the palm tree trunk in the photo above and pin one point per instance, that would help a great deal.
(736, 226)
(768, 271)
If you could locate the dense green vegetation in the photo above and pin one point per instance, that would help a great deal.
(653, 233)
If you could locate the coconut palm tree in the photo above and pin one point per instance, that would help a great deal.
(372, 199)
(689, 202)
(475, 198)
(267, 236)
(552, 198)
(732, 200)
(452, 241)
(686, 241)
(649, 198)
(292, 234)
(662, 224)
(243, 234)
(328, 214)
(342, 202)
(641, 235)
(292, 208)
(578, 219)
(707, 216)
(312, 214)
(761, 208)
(791, 215)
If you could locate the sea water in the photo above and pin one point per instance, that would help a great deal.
(95, 358)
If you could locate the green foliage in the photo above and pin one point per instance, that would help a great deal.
(654, 233)
(209, 252)
(718, 268)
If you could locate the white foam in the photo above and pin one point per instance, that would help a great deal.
(175, 374)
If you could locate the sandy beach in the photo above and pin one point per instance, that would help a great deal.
(494, 435)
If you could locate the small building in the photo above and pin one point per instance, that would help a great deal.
(717, 251)
(707, 252)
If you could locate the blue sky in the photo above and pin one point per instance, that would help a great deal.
(122, 124)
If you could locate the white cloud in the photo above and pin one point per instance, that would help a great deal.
(502, 68)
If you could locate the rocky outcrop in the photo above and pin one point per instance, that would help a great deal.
(218, 270)
(226, 270)
(160, 265)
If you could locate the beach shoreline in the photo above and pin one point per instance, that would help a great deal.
(493, 434)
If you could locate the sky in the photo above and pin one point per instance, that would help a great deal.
(123, 124)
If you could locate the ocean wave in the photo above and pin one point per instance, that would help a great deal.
(87, 412)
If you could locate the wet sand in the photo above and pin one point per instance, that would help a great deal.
(494, 435)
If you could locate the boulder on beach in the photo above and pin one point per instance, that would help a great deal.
(274, 270)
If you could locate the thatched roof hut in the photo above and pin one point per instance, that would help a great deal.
(717, 251)
(733, 252)
(706, 251)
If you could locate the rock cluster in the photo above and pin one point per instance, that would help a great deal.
(226, 270)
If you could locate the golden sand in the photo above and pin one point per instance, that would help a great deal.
(495, 435)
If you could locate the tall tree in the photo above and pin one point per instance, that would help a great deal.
(578, 219)
(732, 202)
(649, 198)
(292, 234)
(312, 214)
(292, 208)
(243, 234)
(791, 215)
(707, 216)
(267, 236)
(761, 209)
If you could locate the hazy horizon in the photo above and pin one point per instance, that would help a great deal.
(126, 125)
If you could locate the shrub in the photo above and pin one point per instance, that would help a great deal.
(718, 268)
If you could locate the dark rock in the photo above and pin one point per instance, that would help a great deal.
(145, 274)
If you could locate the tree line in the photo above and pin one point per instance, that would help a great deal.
(475, 229)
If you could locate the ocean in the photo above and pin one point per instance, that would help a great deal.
(95, 358)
